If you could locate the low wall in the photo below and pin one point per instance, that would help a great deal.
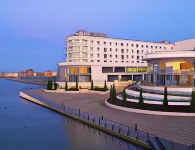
(170, 90)
(99, 127)
(80, 91)
(148, 112)
(156, 96)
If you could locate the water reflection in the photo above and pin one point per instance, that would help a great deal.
(82, 135)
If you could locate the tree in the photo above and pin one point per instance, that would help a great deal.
(105, 86)
(192, 104)
(114, 93)
(66, 86)
(77, 87)
(111, 94)
(49, 84)
(141, 100)
(92, 85)
(165, 101)
(124, 97)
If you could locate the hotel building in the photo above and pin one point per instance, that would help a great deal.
(94, 56)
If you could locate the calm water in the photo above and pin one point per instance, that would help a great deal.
(27, 126)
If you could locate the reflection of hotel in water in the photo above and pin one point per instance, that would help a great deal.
(171, 68)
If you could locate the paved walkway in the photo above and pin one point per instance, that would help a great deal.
(178, 129)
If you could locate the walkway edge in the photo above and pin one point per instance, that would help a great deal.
(149, 112)
(132, 140)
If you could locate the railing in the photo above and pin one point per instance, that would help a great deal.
(132, 132)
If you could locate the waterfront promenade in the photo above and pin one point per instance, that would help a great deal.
(177, 129)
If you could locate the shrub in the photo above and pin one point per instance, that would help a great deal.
(49, 84)
(141, 100)
(92, 85)
(66, 86)
(55, 86)
(105, 86)
(111, 94)
(165, 101)
(77, 87)
(124, 97)
(192, 104)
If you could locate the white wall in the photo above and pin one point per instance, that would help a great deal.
(185, 45)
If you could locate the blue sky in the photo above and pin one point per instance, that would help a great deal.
(32, 32)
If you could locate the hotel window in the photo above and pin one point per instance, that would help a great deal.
(110, 56)
(105, 49)
(131, 45)
(91, 60)
(142, 51)
(91, 48)
(165, 48)
(142, 56)
(127, 50)
(122, 56)
(171, 48)
(127, 44)
(105, 60)
(146, 46)
(132, 57)
(160, 47)
(122, 61)
(110, 43)
(137, 57)
(110, 49)
(110, 60)
(132, 61)
(142, 69)
(105, 55)
(137, 45)
(115, 56)
(98, 42)
(121, 44)
(98, 55)
(151, 47)
(127, 56)
(91, 42)
(98, 49)
(127, 61)
(104, 43)
(131, 69)
(91, 55)
(142, 46)
(116, 49)
(122, 50)
(116, 61)
(137, 51)
(156, 47)
(116, 44)
(137, 61)
(98, 60)
(132, 51)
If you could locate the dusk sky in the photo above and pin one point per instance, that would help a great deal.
(32, 32)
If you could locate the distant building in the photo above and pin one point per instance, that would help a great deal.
(39, 74)
(29, 73)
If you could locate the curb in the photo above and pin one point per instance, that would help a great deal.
(148, 112)
(129, 139)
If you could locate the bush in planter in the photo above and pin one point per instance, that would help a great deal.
(92, 85)
(105, 86)
(192, 104)
(141, 100)
(124, 98)
(165, 101)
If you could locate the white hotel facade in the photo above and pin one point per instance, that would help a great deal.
(94, 56)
